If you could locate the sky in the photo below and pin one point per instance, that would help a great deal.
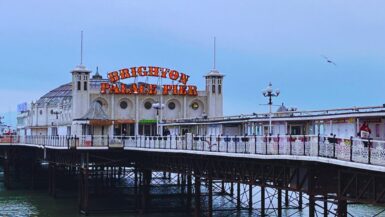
(258, 41)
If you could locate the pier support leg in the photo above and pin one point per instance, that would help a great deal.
(83, 185)
(279, 202)
(33, 170)
(189, 192)
(136, 188)
(300, 206)
(262, 201)
(325, 205)
(342, 209)
(51, 179)
(210, 199)
(238, 196)
(145, 190)
(250, 196)
(311, 206)
(7, 174)
(197, 186)
(286, 198)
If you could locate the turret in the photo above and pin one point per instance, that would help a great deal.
(80, 91)
(214, 92)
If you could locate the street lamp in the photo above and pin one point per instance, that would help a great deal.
(268, 92)
(157, 106)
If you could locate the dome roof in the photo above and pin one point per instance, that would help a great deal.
(80, 68)
(282, 108)
(62, 94)
(214, 73)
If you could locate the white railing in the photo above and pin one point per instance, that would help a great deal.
(365, 151)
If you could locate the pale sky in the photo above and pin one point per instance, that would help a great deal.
(257, 42)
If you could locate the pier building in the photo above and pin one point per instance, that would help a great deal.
(93, 105)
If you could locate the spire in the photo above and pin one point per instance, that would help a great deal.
(214, 71)
(214, 53)
(97, 76)
(81, 48)
(81, 67)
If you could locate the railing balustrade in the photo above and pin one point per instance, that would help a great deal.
(366, 151)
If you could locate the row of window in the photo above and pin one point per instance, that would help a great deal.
(80, 86)
(148, 105)
(213, 89)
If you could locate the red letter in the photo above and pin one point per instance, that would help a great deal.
(183, 78)
(134, 88)
(124, 73)
(152, 89)
(114, 89)
(113, 76)
(173, 75)
(182, 90)
(104, 87)
(141, 89)
(166, 88)
(164, 72)
(153, 71)
(123, 89)
(192, 90)
(175, 89)
(133, 71)
(142, 71)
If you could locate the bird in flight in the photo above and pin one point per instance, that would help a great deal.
(328, 60)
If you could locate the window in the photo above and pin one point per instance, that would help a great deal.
(219, 89)
(377, 128)
(123, 105)
(147, 105)
(195, 105)
(41, 112)
(85, 85)
(79, 85)
(54, 131)
(68, 131)
(213, 86)
(171, 105)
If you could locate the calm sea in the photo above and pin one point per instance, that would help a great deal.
(26, 203)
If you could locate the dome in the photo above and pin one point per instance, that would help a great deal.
(282, 108)
(62, 94)
(214, 73)
(81, 68)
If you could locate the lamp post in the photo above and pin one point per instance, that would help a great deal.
(268, 92)
(158, 106)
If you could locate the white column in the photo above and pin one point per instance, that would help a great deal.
(161, 115)
(136, 115)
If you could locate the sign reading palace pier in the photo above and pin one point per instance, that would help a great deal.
(116, 87)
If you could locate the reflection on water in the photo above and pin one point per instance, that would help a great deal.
(17, 206)
(25, 203)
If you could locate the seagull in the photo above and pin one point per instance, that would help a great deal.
(329, 61)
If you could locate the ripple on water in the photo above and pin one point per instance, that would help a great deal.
(17, 207)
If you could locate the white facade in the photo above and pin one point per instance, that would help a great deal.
(62, 111)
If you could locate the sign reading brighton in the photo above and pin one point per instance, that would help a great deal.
(116, 87)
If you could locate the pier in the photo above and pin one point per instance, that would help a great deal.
(202, 175)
